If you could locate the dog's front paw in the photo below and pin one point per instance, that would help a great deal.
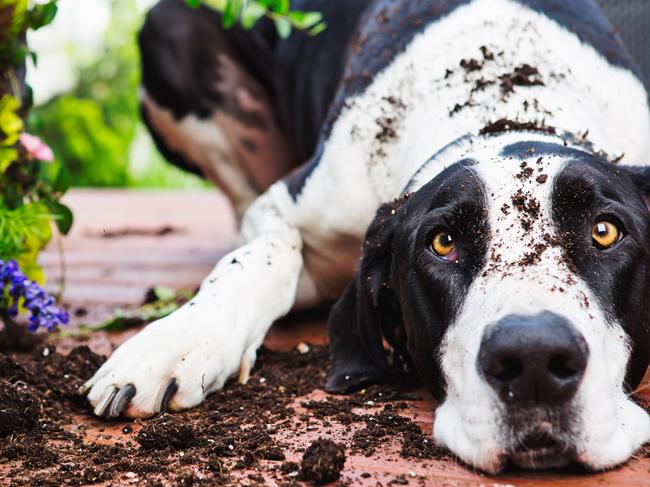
(170, 365)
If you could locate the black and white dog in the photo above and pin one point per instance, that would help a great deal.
(488, 156)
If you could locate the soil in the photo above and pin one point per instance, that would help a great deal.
(48, 435)
(322, 462)
(524, 75)
(506, 125)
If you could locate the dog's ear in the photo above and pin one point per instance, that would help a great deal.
(641, 178)
(367, 307)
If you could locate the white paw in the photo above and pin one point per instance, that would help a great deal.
(171, 365)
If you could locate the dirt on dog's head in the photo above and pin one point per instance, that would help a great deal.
(515, 282)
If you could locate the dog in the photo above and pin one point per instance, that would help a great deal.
(468, 178)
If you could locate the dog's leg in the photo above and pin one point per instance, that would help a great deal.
(175, 362)
(205, 109)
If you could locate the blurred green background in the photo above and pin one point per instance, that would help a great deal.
(86, 89)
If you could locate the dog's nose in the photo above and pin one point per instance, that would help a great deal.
(533, 359)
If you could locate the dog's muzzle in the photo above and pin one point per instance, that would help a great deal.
(535, 365)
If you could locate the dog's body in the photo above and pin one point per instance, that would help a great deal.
(503, 94)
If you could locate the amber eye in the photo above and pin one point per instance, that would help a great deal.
(605, 234)
(443, 244)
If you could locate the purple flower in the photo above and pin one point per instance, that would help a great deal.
(44, 312)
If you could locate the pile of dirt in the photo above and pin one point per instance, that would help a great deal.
(252, 433)
(19, 408)
(322, 462)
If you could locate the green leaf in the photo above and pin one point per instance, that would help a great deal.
(62, 182)
(7, 156)
(62, 216)
(10, 122)
(219, 5)
(317, 29)
(42, 15)
(283, 26)
(169, 300)
(280, 6)
(193, 3)
(164, 293)
(304, 20)
(252, 12)
(232, 12)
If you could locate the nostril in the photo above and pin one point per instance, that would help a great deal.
(507, 369)
(562, 366)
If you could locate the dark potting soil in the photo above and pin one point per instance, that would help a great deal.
(48, 435)
(19, 408)
(322, 462)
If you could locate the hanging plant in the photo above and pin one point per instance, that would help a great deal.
(249, 12)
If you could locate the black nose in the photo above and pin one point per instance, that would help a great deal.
(533, 359)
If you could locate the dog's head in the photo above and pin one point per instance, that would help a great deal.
(516, 283)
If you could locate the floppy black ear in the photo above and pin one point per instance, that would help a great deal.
(641, 178)
(366, 313)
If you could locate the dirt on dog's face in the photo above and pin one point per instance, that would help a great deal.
(521, 281)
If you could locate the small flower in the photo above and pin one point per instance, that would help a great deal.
(42, 306)
(36, 148)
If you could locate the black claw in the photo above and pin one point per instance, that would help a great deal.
(165, 395)
(121, 401)
(105, 401)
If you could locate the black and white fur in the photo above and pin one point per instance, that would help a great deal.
(394, 122)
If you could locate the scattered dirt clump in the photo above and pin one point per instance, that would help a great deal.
(19, 408)
(507, 125)
(470, 65)
(387, 130)
(526, 204)
(526, 171)
(140, 232)
(524, 75)
(322, 462)
(167, 430)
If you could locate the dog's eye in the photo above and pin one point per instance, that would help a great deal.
(605, 234)
(443, 244)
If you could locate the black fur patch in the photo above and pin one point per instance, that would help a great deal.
(403, 291)
(586, 19)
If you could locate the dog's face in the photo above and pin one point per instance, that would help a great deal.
(517, 283)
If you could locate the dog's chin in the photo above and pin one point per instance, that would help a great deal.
(541, 451)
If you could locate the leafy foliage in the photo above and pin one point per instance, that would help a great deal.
(94, 129)
(164, 301)
(29, 198)
(249, 12)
